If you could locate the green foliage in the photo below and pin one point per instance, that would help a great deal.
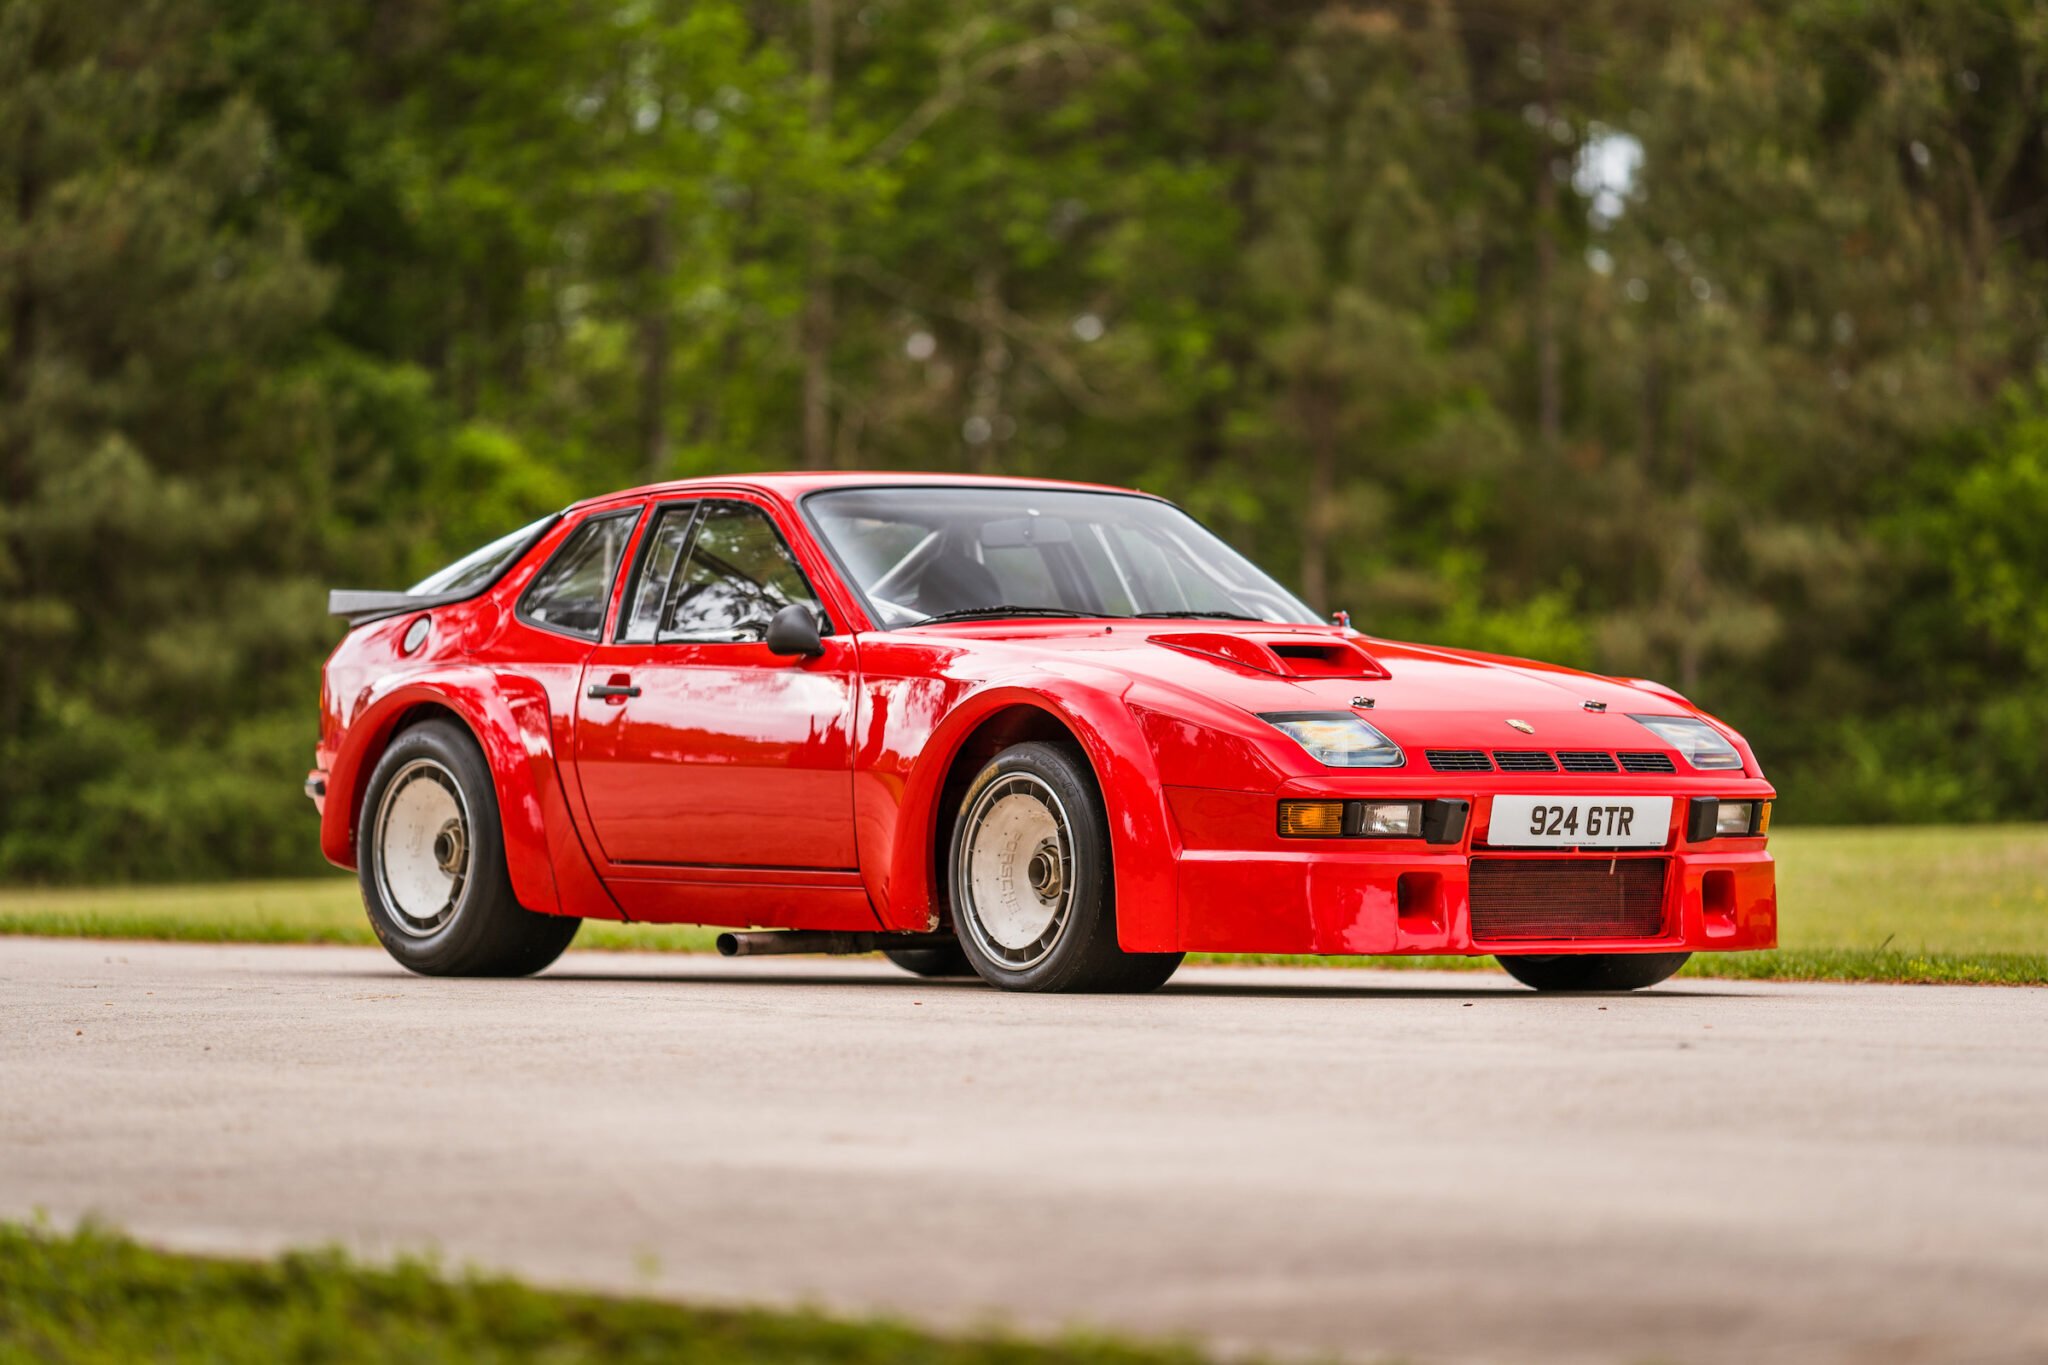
(1661, 339)
(95, 1296)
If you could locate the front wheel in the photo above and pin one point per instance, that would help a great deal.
(431, 858)
(1593, 971)
(1029, 874)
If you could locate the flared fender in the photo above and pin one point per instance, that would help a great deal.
(510, 719)
(1141, 832)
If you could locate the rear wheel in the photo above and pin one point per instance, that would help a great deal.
(430, 855)
(1594, 971)
(1029, 874)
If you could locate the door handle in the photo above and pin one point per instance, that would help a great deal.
(613, 691)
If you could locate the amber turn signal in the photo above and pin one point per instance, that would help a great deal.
(1311, 819)
(1763, 823)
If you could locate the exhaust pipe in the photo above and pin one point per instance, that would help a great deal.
(780, 941)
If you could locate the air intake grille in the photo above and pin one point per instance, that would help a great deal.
(1524, 761)
(1544, 899)
(1585, 761)
(1459, 761)
(1648, 763)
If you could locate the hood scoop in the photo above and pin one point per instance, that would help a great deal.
(1280, 653)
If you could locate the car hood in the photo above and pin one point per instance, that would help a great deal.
(1419, 695)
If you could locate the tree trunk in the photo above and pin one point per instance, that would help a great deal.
(658, 261)
(1542, 313)
(985, 402)
(1691, 569)
(1320, 410)
(817, 317)
(17, 435)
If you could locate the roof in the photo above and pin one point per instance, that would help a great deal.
(794, 483)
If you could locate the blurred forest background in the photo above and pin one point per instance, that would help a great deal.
(1707, 342)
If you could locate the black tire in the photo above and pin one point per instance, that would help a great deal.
(482, 929)
(1594, 971)
(1078, 952)
(945, 961)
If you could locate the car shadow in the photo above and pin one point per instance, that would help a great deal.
(1179, 987)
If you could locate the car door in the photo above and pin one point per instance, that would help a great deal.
(695, 746)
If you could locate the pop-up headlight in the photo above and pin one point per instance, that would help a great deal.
(1337, 739)
(1702, 745)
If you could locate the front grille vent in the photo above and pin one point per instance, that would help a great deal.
(1540, 761)
(1531, 900)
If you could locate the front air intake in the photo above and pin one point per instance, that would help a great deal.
(1527, 900)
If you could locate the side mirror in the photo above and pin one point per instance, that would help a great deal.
(793, 630)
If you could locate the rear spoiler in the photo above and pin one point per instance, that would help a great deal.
(359, 607)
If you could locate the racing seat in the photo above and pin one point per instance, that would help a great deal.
(953, 581)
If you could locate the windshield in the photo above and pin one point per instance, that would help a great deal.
(921, 554)
(479, 569)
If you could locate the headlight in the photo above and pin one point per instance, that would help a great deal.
(1702, 745)
(1732, 819)
(1440, 822)
(1710, 818)
(1337, 739)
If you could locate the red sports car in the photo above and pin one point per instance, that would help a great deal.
(1053, 734)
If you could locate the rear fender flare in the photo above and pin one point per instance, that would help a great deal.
(508, 717)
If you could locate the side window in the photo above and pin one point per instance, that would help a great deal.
(658, 562)
(736, 576)
(571, 591)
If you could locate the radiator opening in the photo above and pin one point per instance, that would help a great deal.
(1554, 899)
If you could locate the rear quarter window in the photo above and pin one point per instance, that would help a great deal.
(570, 593)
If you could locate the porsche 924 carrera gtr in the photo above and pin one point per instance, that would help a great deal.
(1053, 734)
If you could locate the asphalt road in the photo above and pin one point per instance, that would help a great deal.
(1437, 1166)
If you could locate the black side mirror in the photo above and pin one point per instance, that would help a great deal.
(793, 630)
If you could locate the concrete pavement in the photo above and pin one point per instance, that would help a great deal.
(1430, 1165)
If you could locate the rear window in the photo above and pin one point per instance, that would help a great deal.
(480, 568)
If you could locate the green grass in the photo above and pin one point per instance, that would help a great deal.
(1965, 903)
(93, 1296)
(317, 910)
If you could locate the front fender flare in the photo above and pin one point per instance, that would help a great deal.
(1144, 850)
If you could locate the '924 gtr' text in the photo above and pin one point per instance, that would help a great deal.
(1613, 821)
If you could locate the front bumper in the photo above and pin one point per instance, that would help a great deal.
(1243, 889)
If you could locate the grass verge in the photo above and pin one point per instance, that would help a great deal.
(94, 1296)
(1943, 904)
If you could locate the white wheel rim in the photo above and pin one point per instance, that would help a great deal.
(1015, 883)
(423, 847)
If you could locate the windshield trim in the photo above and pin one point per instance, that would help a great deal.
(859, 593)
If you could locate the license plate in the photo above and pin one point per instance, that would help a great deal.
(1579, 821)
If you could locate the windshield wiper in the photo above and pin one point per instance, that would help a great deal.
(974, 613)
(1205, 615)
